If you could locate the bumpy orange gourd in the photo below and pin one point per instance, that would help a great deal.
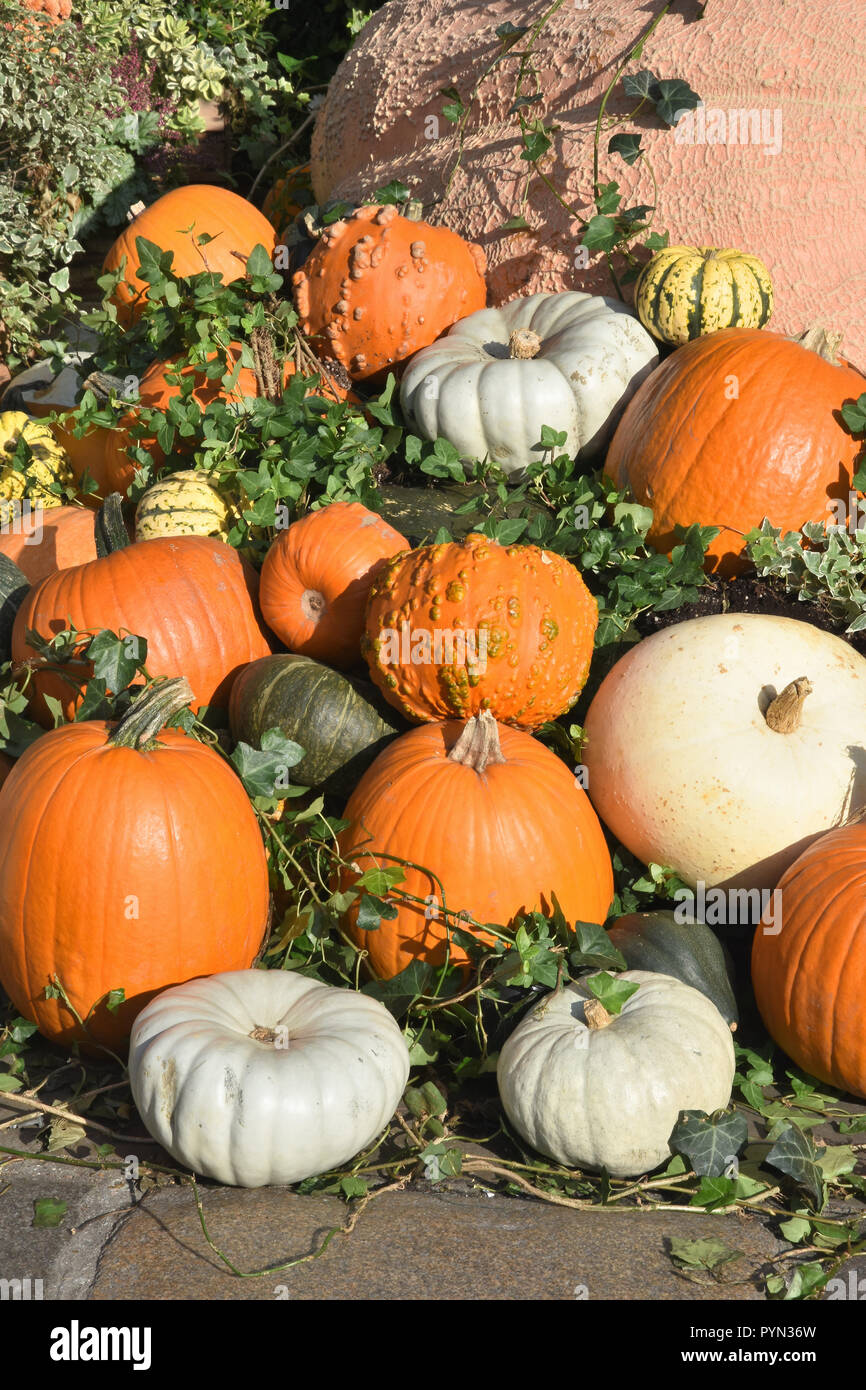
(125, 863)
(736, 427)
(378, 287)
(317, 576)
(497, 818)
(57, 539)
(455, 629)
(192, 597)
(808, 977)
(173, 223)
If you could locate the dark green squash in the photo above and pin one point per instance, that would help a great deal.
(13, 587)
(341, 722)
(690, 951)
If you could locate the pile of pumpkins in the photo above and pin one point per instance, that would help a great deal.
(415, 679)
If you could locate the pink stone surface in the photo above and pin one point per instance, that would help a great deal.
(799, 209)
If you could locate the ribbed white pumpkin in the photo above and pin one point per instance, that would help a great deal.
(684, 768)
(261, 1076)
(572, 361)
(608, 1096)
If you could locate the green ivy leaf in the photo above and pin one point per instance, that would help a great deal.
(371, 910)
(393, 192)
(600, 234)
(48, 1212)
(672, 98)
(264, 771)
(117, 660)
(708, 1254)
(794, 1153)
(400, 992)
(595, 948)
(627, 146)
(639, 84)
(709, 1142)
(612, 993)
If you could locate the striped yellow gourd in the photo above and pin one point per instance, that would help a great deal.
(182, 504)
(45, 474)
(688, 292)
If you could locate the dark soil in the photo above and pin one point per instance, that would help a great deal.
(749, 594)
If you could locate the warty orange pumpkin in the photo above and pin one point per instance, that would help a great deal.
(738, 426)
(498, 821)
(458, 628)
(378, 286)
(192, 597)
(317, 576)
(130, 858)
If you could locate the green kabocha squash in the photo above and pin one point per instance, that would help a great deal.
(688, 292)
(689, 951)
(13, 587)
(342, 723)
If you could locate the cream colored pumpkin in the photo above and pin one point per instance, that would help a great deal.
(593, 1091)
(572, 361)
(684, 764)
(182, 504)
(262, 1076)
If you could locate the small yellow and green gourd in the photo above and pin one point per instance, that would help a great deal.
(182, 504)
(688, 292)
(41, 478)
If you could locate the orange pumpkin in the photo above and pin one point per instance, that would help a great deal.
(498, 820)
(809, 961)
(173, 223)
(738, 426)
(192, 597)
(6, 766)
(287, 197)
(455, 629)
(129, 859)
(377, 287)
(56, 10)
(64, 537)
(317, 576)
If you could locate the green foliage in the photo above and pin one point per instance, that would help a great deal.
(822, 565)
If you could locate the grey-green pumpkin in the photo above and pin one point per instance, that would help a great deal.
(14, 585)
(689, 951)
(341, 722)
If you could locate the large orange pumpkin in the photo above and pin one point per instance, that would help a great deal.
(808, 973)
(129, 859)
(455, 629)
(494, 815)
(173, 223)
(64, 537)
(736, 427)
(193, 597)
(317, 576)
(378, 287)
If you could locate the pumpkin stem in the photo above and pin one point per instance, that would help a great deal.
(150, 711)
(109, 528)
(524, 344)
(784, 713)
(268, 375)
(262, 1034)
(824, 341)
(596, 1015)
(478, 745)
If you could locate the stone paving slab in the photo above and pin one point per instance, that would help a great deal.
(418, 1246)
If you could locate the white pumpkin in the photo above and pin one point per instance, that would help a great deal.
(683, 762)
(262, 1076)
(593, 1091)
(571, 361)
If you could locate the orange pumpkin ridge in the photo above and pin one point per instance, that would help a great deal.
(527, 611)
(317, 576)
(378, 287)
(192, 597)
(808, 976)
(497, 817)
(143, 866)
(67, 539)
(734, 427)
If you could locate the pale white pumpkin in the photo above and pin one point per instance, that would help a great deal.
(684, 764)
(262, 1076)
(593, 1091)
(570, 360)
